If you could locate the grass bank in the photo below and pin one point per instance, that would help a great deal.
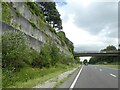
(111, 66)
(30, 77)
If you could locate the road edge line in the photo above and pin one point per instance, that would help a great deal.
(113, 75)
(75, 80)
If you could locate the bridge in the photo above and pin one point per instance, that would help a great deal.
(85, 54)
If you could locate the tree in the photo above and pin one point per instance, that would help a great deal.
(110, 48)
(51, 14)
(108, 59)
(65, 40)
(92, 60)
(85, 61)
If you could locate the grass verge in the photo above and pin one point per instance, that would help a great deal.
(111, 66)
(63, 80)
(30, 77)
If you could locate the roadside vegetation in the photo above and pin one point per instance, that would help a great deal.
(29, 77)
(108, 61)
(63, 80)
(24, 67)
(111, 66)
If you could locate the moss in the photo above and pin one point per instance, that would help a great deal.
(15, 25)
(6, 13)
(11, 4)
(42, 17)
(20, 27)
(34, 9)
(31, 11)
(41, 23)
(51, 29)
(17, 12)
(31, 19)
(0, 11)
(33, 25)
(3, 1)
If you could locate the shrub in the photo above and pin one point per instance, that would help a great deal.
(36, 61)
(55, 56)
(66, 59)
(45, 55)
(49, 56)
(14, 50)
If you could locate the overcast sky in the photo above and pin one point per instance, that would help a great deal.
(90, 25)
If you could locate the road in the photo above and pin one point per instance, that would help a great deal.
(93, 76)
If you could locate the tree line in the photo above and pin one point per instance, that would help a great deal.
(105, 59)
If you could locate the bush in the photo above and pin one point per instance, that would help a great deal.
(66, 59)
(14, 50)
(36, 61)
(50, 56)
(16, 53)
(45, 55)
(55, 56)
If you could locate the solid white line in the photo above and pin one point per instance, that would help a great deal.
(113, 75)
(100, 69)
(73, 84)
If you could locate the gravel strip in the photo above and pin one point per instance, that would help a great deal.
(52, 82)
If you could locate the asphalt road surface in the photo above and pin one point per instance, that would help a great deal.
(93, 76)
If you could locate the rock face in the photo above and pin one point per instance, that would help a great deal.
(35, 29)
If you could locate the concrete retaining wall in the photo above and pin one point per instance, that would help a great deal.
(36, 37)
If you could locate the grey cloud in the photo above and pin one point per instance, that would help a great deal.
(87, 48)
(113, 33)
(92, 47)
(97, 17)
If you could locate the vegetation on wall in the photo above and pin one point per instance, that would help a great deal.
(50, 56)
(35, 9)
(16, 56)
(6, 12)
(41, 23)
(52, 29)
(14, 51)
(65, 40)
(20, 63)
(33, 25)
(77, 60)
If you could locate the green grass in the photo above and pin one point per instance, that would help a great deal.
(30, 77)
(63, 80)
(112, 66)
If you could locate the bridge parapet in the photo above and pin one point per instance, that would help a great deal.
(108, 53)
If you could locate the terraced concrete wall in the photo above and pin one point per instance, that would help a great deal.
(21, 18)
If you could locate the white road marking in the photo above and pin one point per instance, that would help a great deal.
(113, 75)
(75, 80)
(100, 69)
